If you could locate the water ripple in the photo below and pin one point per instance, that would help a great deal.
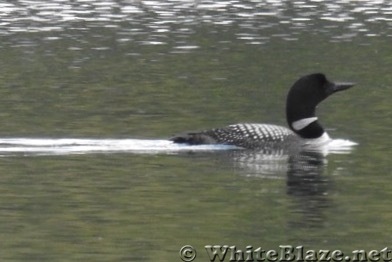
(155, 22)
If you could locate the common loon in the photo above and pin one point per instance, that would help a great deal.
(305, 130)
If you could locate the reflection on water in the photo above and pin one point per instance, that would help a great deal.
(307, 185)
(269, 163)
(164, 22)
(308, 188)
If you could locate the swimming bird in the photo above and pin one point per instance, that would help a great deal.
(304, 128)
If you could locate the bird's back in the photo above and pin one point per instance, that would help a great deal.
(247, 135)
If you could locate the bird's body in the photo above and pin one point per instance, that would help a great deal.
(304, 128)
(247, 135)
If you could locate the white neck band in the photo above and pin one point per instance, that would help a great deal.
(302, 123)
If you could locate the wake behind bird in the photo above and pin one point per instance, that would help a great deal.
(68, 146)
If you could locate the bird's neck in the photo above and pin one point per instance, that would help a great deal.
(304, 122)
(308, 128)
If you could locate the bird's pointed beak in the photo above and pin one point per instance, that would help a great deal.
(343, 86)
(336, 87)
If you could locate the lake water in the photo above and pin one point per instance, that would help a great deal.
(83, 83)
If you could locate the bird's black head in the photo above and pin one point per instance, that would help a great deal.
(302, 99)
